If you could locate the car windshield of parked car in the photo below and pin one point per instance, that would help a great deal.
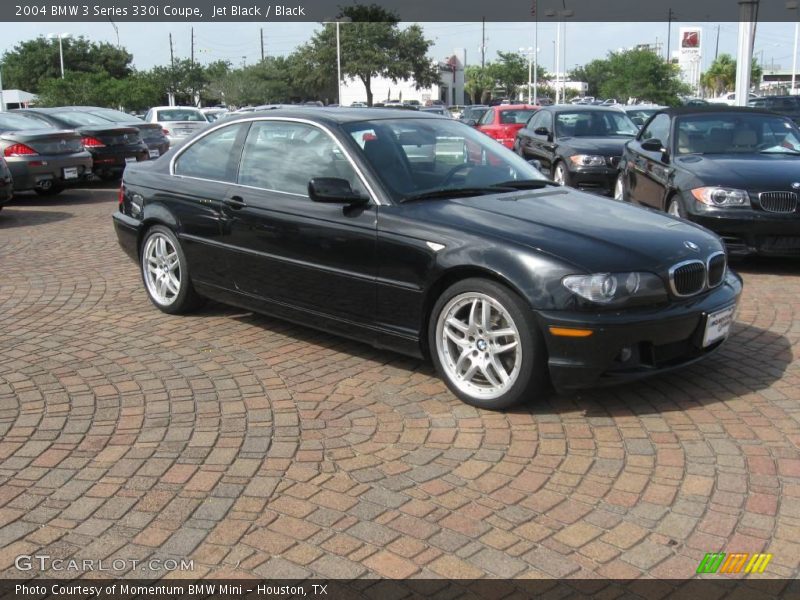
(172, 114)
(116, 116)
(415, 156)
(594, 124)
(737, 133)
(78, 119)
(11, 122)
(515, 117)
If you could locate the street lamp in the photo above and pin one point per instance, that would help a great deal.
(561, 14)
(792, 5)
(2, 98)
(338, 55)
(60, 37)
(530, 52)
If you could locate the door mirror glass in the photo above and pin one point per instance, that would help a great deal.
(334, 190)
(541, 131)
(653, 145)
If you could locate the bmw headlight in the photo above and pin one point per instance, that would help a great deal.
(588, 160)
(721, 196)
(612, 289)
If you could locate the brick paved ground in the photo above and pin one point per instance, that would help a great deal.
(260, 448)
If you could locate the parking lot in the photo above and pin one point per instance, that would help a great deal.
(258, 448)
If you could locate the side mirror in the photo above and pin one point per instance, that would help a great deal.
(653, 145)
(333, 190)
(541, 131)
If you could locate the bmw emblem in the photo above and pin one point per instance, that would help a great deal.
(691, 246)
(796, 185)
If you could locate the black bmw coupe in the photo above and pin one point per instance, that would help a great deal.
(733, 170)
(420, 234)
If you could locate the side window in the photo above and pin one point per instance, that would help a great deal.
(212, 156)
(547, 121)
(148, 115)
(487, 118)
(284, 156)
(657, 129)
(535, 121)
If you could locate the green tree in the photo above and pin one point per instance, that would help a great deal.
(642, 74)
(372, 45)
(593, 73)
(32, 63)
(721, 75)
(509, 72)
(478, 83)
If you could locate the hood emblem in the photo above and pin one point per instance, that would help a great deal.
(796, 185)
(691, 246)
(434, 246)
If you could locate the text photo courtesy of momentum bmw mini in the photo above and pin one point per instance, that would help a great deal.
(421, 234)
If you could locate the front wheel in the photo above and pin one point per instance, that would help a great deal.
(620, 193)
(486, 345)
(165, 272)
(560, 174)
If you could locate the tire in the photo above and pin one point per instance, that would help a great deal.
(561, 174)
(620, 191)
(165, 272)
(675, 208)
(53, 190)
(457, 327)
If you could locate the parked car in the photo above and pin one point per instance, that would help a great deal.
(358, 105)
(483, 265)
(639, 113)
(472, 114)
(579, 146)
(503, 122)
(6, 183)
(152, 134)
(729, 98)
(437, 110)
(733, 170)
(544, 101)
(178, 122)
(213, 114)
(41, 157)
(788, 106)
(111, 146)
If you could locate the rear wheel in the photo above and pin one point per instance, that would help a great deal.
(49, 188)
(165, 272)
(486, 345)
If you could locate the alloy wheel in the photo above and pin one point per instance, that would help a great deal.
(161, 267)
(559, 176)
(619, 189)
(478, 345)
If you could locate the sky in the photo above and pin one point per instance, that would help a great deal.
(239, 42)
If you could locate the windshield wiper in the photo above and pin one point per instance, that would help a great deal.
(526, 184)
(456, 193)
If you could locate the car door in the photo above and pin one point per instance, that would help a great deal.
(543, 146)
(648, 170)
(286, 248)
(201, 176)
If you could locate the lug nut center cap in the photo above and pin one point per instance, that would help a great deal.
(481, 345)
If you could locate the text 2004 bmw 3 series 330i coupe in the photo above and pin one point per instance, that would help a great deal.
(419, 234)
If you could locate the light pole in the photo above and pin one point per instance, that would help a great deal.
(60, 37)
(338, 55)
(531, 52)
(792, 5)
(2, 99)
(562, 15)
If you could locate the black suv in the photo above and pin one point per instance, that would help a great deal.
(788, 106)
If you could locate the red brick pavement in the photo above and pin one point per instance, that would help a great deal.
(256, 447)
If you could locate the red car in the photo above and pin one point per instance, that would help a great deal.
(504, 121)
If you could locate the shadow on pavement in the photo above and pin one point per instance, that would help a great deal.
(762, 265)
(13, 216)
(71, 196)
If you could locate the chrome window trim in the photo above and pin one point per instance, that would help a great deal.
(677, 266)
(711, 257)
(375, 199)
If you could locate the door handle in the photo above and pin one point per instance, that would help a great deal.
(235, 202)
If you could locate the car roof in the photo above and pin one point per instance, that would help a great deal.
(714, 108)
(337, 115)
(175, 107)
(512, 106)
(581, 108)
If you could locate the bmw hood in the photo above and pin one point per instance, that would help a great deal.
(606, 146)
(590, 232)
(760, 172)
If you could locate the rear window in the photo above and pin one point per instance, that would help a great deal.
(178, 114)
(78, 119)
(117, 116)
(515, 117)
(9, 122)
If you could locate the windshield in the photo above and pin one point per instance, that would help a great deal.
(181, 114)
(594, 124)
(737, 133)
(9, 122)
(116, 116)
(413, 156)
